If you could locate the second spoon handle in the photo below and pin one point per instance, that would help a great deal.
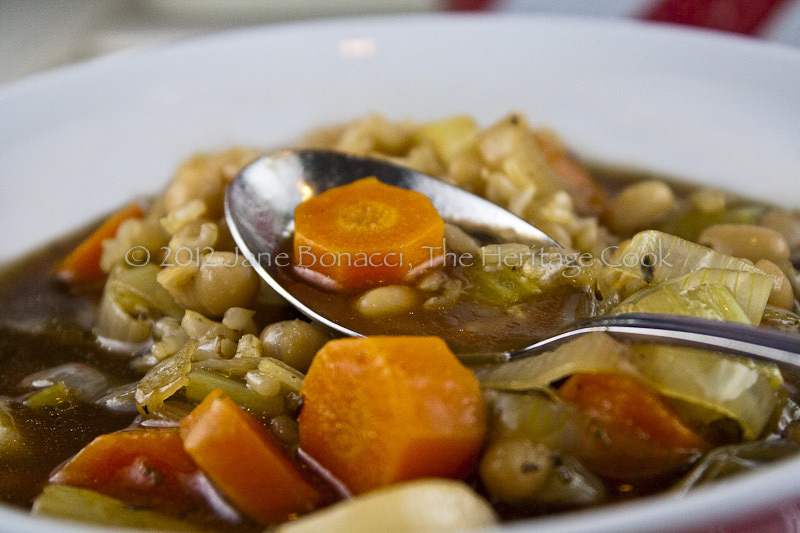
(729, 337)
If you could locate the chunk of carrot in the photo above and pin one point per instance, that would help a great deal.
(144, 467)
(383, 409)
(239, 456)
(626, 402)
(589, 197)
(366, 233)
(82, 265)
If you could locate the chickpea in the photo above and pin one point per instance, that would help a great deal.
(212, 284)
(204, 177)
(294, 342)
(386, 301)
(639, 206)
(225, 281)
(746, 241)
(514, 470)
(782, 295)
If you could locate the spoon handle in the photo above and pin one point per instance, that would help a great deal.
(730, 337)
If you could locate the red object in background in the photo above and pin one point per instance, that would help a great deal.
(740, 16)
(468, 5)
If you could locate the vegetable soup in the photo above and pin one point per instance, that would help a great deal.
(151, 379)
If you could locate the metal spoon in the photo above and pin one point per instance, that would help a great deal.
(259, 208)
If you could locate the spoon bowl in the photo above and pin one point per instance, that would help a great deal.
(261, 199)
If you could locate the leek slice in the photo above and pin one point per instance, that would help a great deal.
(750, 289)
(704, 301)
(113, 322)
(88, 506)
(83, 381)
(595, 352)
(164, 379)
(136, 290)
(661, 256)
(736, 387)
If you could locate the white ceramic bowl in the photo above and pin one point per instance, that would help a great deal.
(76, 142)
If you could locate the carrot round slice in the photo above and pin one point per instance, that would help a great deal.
(237, 453)
(366, 233)
(379, 410)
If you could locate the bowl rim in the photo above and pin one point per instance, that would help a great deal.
(708, 505)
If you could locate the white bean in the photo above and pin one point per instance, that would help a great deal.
(786, 223)
(386, 301)
(782, 295)
(746, 241)
(639, 206)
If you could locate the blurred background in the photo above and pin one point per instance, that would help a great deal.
(40, 34)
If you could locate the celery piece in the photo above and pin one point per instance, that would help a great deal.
(500, 287)
(236, 367)
(449, 136)
(290, 378)
(201, 383)
(85, 505)
(56, 396)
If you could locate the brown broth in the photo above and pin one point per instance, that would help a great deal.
(468, 325)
